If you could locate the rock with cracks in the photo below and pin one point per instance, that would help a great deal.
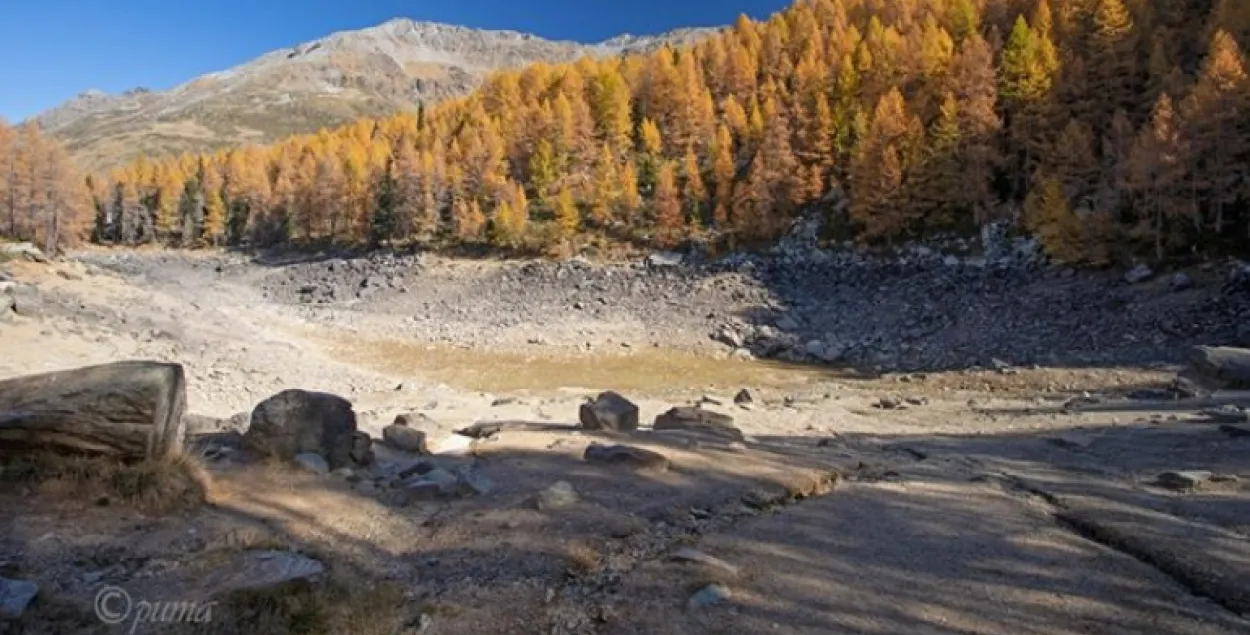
(609, 411)
(295, 422)
(130, 410)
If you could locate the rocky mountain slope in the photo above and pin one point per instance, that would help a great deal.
(329, 81)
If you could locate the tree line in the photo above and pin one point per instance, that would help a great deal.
(1109, 128)
(42, 195)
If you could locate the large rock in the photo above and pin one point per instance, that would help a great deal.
(609, 411)
(261, 569)
(1225, 366)
(130, 410)
(22, 250)
(15, 596)
(402, 437)
(693, 419)
(25, 300)
(295, 422)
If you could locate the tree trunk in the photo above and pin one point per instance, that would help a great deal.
(130, 410)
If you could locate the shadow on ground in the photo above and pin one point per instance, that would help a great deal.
(1055, 532)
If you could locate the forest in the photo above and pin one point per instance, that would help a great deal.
(1109, 129)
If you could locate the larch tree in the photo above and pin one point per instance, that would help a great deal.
(666, 206)
(694, 191)
(1156, 168)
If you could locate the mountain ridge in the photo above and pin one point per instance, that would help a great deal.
(328, 81)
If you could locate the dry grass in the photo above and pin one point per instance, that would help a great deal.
(157, 486)
(342, 604)
(583, 558)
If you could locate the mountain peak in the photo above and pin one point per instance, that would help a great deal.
(324, 82)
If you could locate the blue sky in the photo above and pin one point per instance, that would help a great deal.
(51, 50)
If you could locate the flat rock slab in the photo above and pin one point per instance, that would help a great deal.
(262, 569)
(932, 557)
(1210, 561)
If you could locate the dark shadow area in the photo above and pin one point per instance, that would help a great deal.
(925, 534)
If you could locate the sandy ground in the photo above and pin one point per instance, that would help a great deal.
(984, 507)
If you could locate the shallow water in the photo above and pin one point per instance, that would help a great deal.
(653, 370)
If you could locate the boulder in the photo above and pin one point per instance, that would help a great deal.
(25, 300)
(22, 250)
(609, 411)
(743, 397)
(295, 422)
(402, 437)
(693, 419)
(1225, 366)
(131, 410)
(626, 456)
(1192, 480)
(15, 596)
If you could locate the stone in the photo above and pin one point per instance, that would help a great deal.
(1140, 273)
(788, 323)
(560, 495)
(1185, 480)
(951, 261)
(888, 403)
(314, 463)
(452, 445)
(1226, 414)
(295, 422)
(743, 397)
(25, 300)
(664, 259)
(1224, 365)
(362, 449)
(626, 456)
(405, 438)
(699, 420)
(688, 554)
(609, 411)
(25, 250)
(261, 569)
(15, 596)
(476, 484)
(1180, 282)
(709, 595)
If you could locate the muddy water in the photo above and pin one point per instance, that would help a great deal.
(651, 370)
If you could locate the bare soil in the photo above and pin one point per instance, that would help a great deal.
(980, 505)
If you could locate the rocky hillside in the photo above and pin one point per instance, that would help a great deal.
(333, 80)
